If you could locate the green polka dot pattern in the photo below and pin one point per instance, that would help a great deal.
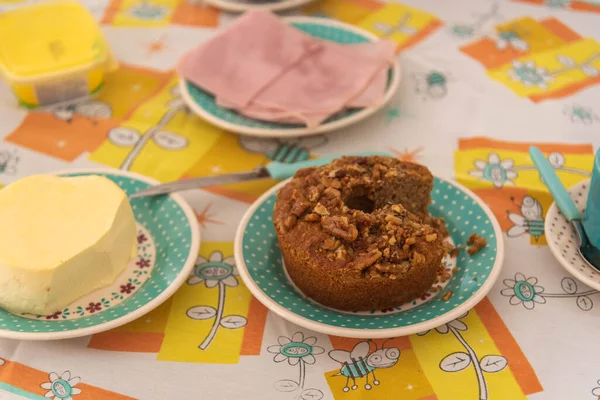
(207, 101)
(170, 229)
(463, 216)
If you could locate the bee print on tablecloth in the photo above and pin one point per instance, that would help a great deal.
(301, 351)
(361, 362)
(90, 110)
(476, 28)
(221, 273)
(459, 361)
(526, 292)
(432, 85)
(61, 387)
(580, 114)
(8, 162)
(284, 151)
(530, 220)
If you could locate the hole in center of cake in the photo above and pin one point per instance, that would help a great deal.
(361, 202)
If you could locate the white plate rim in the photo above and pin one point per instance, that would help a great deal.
(234, 7)
(553, 210)
(369, 333)
(299, 132)
(152, 304)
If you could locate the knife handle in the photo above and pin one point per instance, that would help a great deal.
(281, 171)
(554, 185)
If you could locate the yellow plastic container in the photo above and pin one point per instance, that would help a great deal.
(53, 52)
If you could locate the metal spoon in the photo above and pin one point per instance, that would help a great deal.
(587, 251)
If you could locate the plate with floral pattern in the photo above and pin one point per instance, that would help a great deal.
(167, 238)
(261, 267)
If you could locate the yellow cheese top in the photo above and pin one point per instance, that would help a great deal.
(48, 38)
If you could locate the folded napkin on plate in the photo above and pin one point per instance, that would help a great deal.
(266, 69)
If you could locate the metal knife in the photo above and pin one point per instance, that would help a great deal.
(274, 170)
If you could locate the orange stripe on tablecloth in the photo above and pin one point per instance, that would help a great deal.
(111, 11)
(431, 397)
(488, 143)
(342, 343)
(566, 91)
(254, 330)
(23, 377)
(191, 14)
(581, 6)
(29, 379)
(134, 342)
(422, 34)
(501, 204)
(486, 52)
(508, 346)
(559, 29)
(232, 194)
(371, 4)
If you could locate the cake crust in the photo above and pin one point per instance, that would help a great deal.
(353, 233)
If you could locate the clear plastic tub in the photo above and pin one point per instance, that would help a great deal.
(53, 52)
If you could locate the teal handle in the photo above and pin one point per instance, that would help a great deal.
(281, 171)
(555, 186)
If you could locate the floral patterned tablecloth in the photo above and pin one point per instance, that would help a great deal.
(482, 80)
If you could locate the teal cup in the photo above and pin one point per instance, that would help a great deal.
(591, 217)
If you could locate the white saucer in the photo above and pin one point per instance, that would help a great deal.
(243, 6)
(560, 236)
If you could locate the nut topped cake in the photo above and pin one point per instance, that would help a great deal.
(354, 234)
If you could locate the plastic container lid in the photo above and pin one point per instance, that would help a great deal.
(48, 39)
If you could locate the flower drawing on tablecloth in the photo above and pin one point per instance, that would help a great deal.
(595, 391)
(461, 360)
(61, 387)
(581, 114)
(511, 39)
(558, 3)
(297, 351)
(522, 290)
(526, 291)
(215, 270)
(494, 170)
(530, 75)
(219, 272)
(455, 324)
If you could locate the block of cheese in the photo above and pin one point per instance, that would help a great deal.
(61, 239)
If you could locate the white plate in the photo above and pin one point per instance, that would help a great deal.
(168, 243)
(243, 6)
(560, 236)
(260, 265)
(202, 103)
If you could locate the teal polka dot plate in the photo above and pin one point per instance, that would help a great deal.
(203, 103)
(261, 267)
(168, 239)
